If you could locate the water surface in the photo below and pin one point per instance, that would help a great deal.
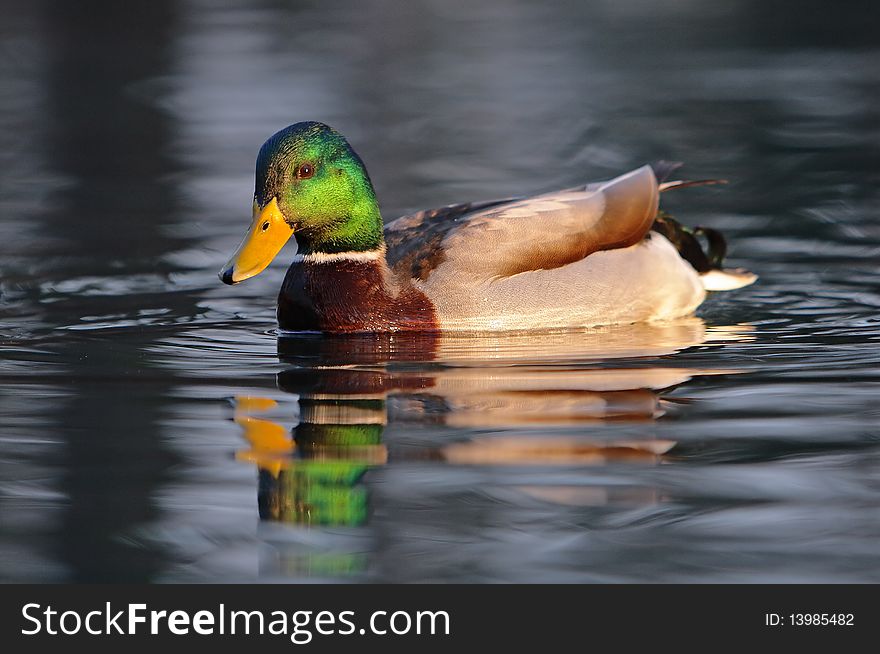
(154, 428)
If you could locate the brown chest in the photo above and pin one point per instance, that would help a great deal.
(346, 295)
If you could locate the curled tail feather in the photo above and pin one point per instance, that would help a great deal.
(708, 262)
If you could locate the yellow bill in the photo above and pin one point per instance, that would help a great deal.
(267, 235)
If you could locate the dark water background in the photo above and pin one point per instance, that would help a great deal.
(150, 429)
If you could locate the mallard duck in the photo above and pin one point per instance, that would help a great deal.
(596, 254)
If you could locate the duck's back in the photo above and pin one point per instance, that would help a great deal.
(572, 258)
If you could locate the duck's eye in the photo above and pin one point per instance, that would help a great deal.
(265, 226)
(305, 171)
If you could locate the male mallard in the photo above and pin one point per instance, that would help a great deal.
(574, 258)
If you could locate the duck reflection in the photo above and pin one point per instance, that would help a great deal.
(503, 399)
(313, 477)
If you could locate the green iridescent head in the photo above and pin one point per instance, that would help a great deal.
(312, 185)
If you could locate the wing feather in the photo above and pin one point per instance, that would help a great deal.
(508, 237)
(556, 229)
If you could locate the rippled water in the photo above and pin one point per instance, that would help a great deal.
(154, 428)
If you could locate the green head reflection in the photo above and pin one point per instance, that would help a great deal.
(314, 477)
